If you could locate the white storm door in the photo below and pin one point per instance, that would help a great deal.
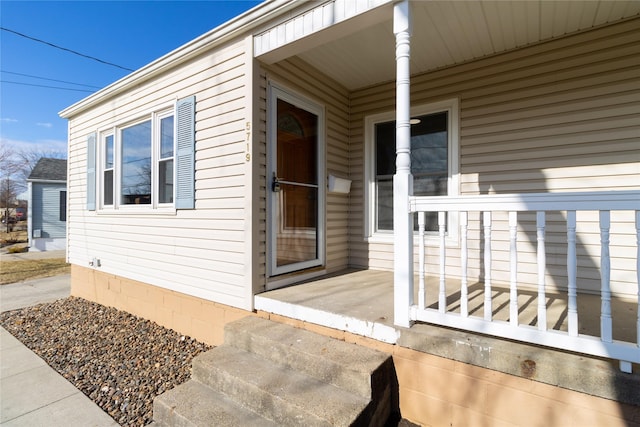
(295, 183)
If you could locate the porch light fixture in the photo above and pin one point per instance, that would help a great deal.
(414, 121)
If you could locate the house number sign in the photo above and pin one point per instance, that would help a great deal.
(247, 155)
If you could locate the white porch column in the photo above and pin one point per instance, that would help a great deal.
(402, 180)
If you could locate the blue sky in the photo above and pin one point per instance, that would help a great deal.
(130, 34)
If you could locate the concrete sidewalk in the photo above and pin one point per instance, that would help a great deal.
(32, 292)
(31, 392)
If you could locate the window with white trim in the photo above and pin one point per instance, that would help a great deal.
(434, 161)
(135, 162)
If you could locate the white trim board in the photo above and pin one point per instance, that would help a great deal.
(377, 331)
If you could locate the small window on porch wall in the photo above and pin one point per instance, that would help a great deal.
(433, 161)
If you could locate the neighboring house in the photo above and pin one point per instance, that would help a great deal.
(47, 214)
(263, 154)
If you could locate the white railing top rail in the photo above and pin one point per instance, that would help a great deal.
(591, 200)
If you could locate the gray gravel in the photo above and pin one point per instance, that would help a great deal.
(119, 360)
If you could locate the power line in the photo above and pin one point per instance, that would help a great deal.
(48, 87)
(45, 78)
(65, 49)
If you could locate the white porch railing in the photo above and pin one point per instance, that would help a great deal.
(512, 207)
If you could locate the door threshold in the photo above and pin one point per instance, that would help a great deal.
(295, 277)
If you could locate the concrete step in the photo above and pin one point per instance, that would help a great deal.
(276, 392)
(358, 369)
(268, 373)
(193, 404)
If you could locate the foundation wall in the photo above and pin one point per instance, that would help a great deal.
(434, 391)
(200, 319)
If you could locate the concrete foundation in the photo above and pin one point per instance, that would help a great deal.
(445, 377)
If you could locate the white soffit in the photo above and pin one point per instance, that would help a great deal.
(330, 14)
(445, 33)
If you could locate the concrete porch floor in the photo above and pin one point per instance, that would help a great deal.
(361, 302)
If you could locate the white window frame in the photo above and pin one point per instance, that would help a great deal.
(156, 148)
(451, 107)
(155, 117)
(101, 159)
(119, 171)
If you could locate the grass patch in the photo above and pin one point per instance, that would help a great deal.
(12, 237)
(17, 271)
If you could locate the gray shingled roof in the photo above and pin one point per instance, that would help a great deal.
(49, 170)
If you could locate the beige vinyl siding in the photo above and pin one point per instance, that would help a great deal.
(199, 252)
(554, 117)
(305, 80)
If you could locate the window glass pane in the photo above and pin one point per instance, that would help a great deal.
(429, 142)
(297, 144)
(165, 184)
(166, 137)
(108, 188)
(384, 205)
(108, 152)
(430, 185)
(63, 206)
(107, 175)
(386, 148)
(136, 164)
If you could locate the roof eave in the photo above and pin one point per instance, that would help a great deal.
(232, 28)
(47, 181)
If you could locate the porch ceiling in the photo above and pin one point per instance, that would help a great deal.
(446, 33)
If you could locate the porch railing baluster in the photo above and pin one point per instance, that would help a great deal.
(606, 323)
(542, 265)
(442, 230)
(513, 266)
(488, 309)
(572, 271)
(464, 263)
(421, 261)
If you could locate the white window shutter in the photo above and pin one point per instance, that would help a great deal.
(185, 153)
(91, 172)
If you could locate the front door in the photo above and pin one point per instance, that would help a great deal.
(295, 171)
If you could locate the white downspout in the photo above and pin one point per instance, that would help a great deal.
(402, 180)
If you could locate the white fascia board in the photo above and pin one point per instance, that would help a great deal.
(232, 28)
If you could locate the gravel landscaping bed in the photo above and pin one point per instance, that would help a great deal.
(119, 360)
